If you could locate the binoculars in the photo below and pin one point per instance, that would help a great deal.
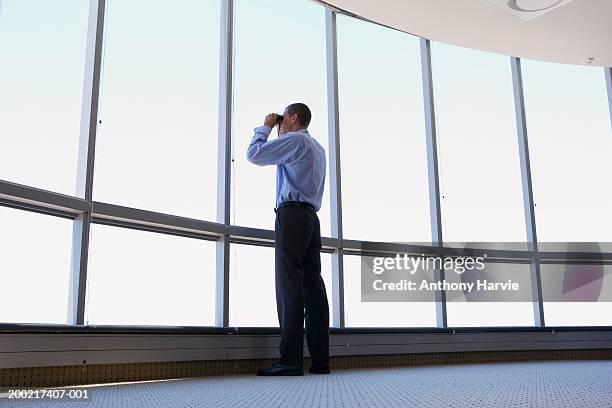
(279, 119)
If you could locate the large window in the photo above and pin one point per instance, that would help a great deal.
(147, 278)
(42, 54)
(384, 157)
(252, 287)
(157, 141)
(577, 295)
(279, 59)
(252, 290)
(499, 307)
(481, 196)
(35, 270)
(157, 149)
(570, 144)
(406, 313)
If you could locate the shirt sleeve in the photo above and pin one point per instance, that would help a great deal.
(278, 151)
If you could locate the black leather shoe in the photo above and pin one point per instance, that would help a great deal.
(319, 370)
(280, 369)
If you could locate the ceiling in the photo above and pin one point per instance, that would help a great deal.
(572, 33)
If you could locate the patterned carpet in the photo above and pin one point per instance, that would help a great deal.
(525, 384)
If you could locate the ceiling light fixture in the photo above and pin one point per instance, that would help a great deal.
(531, 6)
(527, 10)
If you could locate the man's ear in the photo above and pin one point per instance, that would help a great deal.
(294, 117)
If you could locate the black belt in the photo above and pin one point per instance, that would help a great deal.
(295, 204)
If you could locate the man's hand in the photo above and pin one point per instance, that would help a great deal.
(270, 120)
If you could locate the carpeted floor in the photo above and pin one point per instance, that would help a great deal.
(526, 384)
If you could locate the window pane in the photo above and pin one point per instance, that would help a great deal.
(34, 288)
(252, 288)
(480, 180)
(157, 143)
(570, 144)
(146, 278)
(42, 54)
(384, 157)
(381, 314)
(582, 294)
(263, 83)
(506, 308)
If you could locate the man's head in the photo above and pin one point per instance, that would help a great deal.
(296, 116)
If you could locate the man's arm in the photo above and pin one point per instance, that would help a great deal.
(280, 150)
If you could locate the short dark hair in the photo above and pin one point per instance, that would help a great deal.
(302, 111)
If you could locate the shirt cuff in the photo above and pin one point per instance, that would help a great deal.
(263, 129)
(261, 133)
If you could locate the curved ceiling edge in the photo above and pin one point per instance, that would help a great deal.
(574, 33)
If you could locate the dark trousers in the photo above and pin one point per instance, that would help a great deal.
(299, 285)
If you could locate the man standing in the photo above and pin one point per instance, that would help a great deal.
(300, 178)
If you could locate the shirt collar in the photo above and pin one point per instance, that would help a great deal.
(297, 131)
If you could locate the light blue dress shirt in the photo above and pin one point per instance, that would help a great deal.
(300, 164)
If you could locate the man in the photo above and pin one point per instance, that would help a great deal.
(300, 176)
